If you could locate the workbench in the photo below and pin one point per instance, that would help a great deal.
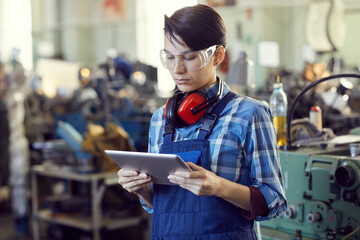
(98, 182)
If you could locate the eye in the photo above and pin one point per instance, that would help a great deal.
(170, 56)
(190, 57)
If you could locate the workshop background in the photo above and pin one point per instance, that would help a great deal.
(81, 76)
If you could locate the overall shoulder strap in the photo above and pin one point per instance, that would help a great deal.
(169, 131)
(210, 118)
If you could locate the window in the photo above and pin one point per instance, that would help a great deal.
(15, 31)
(150, 37)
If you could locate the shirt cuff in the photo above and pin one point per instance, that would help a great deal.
(146, 207)
(259, 206)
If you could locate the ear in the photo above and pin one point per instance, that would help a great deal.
(219, 55)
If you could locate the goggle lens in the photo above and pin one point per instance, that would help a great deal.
(189, 61)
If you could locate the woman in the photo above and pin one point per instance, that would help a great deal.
(227, 140)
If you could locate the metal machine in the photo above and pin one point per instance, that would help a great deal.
(323, 192)
(322, 186)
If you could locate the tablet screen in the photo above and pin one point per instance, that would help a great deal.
(159, 166)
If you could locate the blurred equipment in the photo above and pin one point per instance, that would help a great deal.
(18, 146)
(278, 106)
(111, 137)
(307, 88)
(322, 184)
(354, 149)
(315, 116)
(85, 162)
(241, 74)
(325, 28)
(337, 98)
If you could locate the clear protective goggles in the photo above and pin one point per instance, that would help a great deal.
(189, 60)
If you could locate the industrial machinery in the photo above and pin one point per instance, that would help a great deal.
(322, 186)
(323, 193)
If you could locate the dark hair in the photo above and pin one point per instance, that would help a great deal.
(199, 26)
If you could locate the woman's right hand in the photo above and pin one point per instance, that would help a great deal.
(132, 181)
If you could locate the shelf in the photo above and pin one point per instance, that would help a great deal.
(94, 222)
(111, 178)
(84, 222)
(111, 223)
(80, 222)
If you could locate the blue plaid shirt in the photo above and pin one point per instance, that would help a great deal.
(242, 147)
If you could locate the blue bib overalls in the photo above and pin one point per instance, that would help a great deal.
(178, 214)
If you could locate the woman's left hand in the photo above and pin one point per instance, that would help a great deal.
(201, 182)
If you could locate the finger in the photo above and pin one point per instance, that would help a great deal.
(143, 175)
(182, 174)
(194, 167)
(177, 178)
(127, 173)
(190, 175)
(136, 184)
(191, 188)
(138, 187)
(198, 174)
(139, 181)
(124, 180)
(184, 181)
(177, 181)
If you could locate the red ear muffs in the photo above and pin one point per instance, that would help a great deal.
(183, 109)
(187, 108)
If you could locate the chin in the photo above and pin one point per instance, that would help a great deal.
(186, 88)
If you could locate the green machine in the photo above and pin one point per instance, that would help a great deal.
(322, 187)
(323, 193)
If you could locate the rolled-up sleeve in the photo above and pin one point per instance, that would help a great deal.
(263, 161)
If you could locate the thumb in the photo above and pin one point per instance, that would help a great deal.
(194, 167)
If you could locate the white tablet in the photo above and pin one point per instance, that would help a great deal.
(157, 165)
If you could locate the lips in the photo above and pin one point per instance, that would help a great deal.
(182, 81)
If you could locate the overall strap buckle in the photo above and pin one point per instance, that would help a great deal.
(207, 125)
(168, 134)
(209, 121)
(169, 129)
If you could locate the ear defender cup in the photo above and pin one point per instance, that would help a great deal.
(189, 109)
(185, 109)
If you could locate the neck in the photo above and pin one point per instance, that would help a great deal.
(208, 84)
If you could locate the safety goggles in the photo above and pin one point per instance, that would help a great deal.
(189, 60)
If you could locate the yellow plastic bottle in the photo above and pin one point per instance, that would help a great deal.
(278, 107)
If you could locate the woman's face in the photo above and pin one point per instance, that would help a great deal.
(187, 80)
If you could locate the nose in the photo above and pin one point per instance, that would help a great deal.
(179, 66)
